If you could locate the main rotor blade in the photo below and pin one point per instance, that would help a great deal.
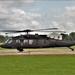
(15, 31)
(45, 29)
(51, 31)
(27, 30)
(9, 31)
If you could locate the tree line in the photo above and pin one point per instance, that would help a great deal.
(70, 36)
(3, 38)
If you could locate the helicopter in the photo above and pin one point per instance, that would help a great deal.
(34, 41)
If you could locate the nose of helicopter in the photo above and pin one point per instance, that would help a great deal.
(2, 46)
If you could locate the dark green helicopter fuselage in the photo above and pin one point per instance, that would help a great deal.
(35, 41)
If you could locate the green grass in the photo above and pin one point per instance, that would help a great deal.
(37, 65)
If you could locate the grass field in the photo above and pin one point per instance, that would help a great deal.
(37, 65)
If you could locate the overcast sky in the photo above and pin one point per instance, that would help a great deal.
(33, 14)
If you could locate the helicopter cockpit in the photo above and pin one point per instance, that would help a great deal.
(8, 41)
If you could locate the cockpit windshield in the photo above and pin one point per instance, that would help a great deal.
(9, 41)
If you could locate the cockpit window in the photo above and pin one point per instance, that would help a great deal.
(9, 41)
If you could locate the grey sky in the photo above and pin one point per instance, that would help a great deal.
(37, 14)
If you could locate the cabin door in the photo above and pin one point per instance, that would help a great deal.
(22, 42)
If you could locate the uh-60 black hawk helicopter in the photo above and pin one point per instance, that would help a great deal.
(34, 41)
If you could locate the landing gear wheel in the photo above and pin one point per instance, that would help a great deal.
(71, 48)
(20, 49)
